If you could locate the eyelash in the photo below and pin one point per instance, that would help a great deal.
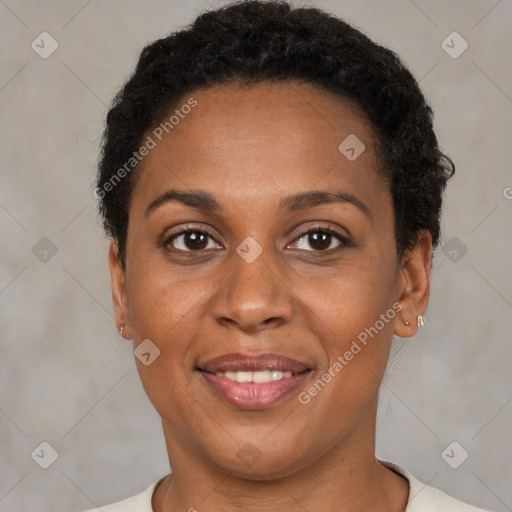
(301, 234)
(323, 229)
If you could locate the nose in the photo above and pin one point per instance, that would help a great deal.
(254, 295)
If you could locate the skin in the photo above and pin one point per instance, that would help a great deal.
(250, 148)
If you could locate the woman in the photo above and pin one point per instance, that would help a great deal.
(272, 185)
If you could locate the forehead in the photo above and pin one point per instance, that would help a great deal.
(255, 142)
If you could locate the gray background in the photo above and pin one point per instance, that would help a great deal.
(66, 377)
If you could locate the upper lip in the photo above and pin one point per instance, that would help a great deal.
(246, 362)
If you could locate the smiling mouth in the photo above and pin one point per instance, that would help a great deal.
(252, 395)
(253, 382)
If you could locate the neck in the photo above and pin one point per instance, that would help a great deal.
(346, 478)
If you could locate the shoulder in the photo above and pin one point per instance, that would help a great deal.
(138, 503)
(424, 498)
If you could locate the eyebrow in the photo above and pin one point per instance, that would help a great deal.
(204, 201)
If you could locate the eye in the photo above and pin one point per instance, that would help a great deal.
(191, 240)
(320, 239)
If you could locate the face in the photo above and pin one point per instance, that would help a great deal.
(261, 267)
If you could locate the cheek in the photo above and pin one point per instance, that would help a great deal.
(353, 316)
(166, 312)
(355, 330)
(350, 298)
(160, 303)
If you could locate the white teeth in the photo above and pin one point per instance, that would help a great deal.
(244, 376)
(276, 375)
(257, 377)
(260, 377)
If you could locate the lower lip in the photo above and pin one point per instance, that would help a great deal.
(250, 395)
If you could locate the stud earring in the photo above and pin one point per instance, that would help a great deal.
(406, 322)
(121, 329)
(420, 321)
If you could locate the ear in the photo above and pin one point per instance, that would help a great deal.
(117, 281)
(413, 284)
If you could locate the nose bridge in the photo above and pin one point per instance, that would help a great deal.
(252, 294)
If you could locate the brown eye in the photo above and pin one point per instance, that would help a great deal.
(319, 239)
(191, 240)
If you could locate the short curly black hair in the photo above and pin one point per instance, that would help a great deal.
(255, 41)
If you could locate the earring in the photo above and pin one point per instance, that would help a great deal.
(121, 329)
(406, 322)
(420, 321)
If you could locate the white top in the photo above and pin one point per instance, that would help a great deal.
(422, 498)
